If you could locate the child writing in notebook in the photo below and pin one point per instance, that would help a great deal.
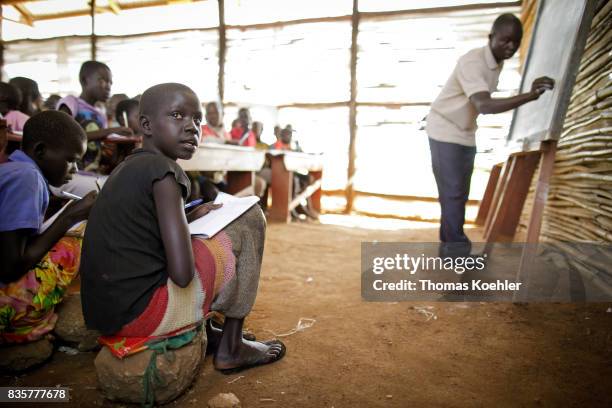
(142, 273)
(37, 267)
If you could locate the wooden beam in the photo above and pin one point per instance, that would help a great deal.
(308, 191)
(364, 15)
(395, 197)
(122, 36)
(325, 105)
(392, 105)
(350, 195)
(114, 6)
(315, 199)
(27, 17)
(372, 15)
(547, 164)
(282, 191)
(376, 15)
(321, 105)
(487, 199)
(505, 215)
(13, 2)
(222, 52)
(92, 13)
(239, 180)
(280, 24)
(86, 12)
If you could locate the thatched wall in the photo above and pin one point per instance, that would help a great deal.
(529, 10)
(579, 207)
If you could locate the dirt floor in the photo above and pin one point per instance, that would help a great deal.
(360, 354)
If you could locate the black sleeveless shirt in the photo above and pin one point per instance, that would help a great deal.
(123, 259)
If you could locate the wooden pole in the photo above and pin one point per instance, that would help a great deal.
(487, 199)
(350, 193)
(222, 52)
(547, 165)
(92, 12)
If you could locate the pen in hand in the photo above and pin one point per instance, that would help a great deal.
(193, 203)
(70, 195)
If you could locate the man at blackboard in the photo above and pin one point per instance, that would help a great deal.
(451, 124)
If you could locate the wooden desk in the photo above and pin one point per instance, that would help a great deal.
(241, 163)
(119, 139)
(284, 163)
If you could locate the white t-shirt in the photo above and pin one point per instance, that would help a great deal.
(452, 117)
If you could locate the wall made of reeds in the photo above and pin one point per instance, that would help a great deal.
(579, 206)
(529, 10)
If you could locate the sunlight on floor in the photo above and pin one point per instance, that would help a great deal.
(360, 221)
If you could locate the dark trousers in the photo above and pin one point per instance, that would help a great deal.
(452, 165)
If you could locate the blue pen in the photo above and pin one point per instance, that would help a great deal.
(193, 203)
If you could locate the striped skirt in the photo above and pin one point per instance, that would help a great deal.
(171, 307)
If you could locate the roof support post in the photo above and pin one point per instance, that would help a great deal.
(350, 192)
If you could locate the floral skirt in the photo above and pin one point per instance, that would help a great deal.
(27, 307)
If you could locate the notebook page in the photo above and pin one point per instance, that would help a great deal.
(216, 220)
(51, 220)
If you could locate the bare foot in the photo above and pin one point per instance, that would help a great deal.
(247, 354)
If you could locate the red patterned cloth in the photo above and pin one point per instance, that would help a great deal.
(172, 309)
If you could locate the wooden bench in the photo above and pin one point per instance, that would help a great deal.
(284, 163)
(241, 163)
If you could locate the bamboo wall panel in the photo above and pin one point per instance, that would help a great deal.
(579, 206)
(529, 10)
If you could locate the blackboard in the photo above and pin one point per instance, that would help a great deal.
(557, 44)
